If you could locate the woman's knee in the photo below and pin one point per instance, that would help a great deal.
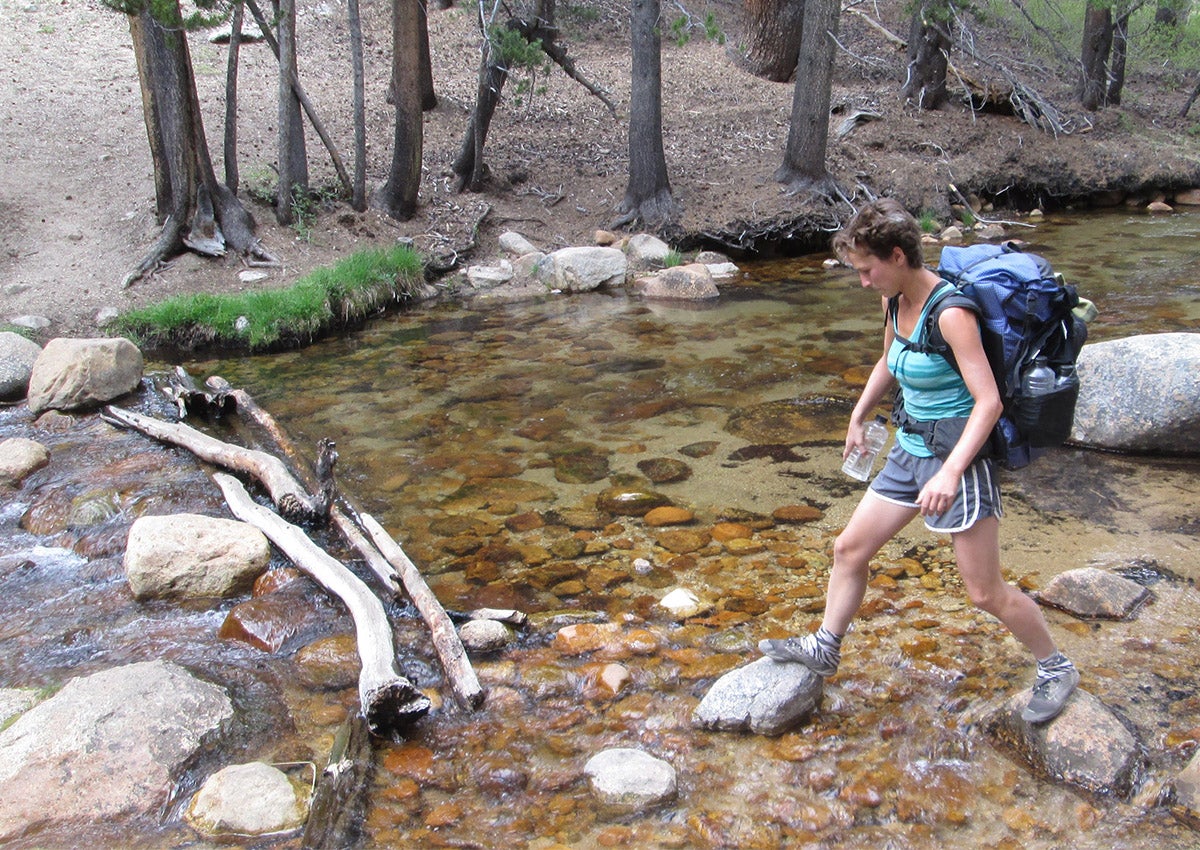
(851, 553)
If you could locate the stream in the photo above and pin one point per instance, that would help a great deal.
(488, 440)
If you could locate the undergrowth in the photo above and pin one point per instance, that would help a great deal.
(269, 319)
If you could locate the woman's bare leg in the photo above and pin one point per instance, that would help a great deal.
(978, 552)
(874, 522)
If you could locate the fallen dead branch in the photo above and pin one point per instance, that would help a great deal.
(446, 642)
(382, 553)
(390, 703)
(291, 499)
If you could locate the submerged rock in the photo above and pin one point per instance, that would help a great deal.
(1092, 592)
(247, 799)
(764, 697)
(626, 780)
(626, 502)
(1185, 794)
(1086, 746)
(791, 421)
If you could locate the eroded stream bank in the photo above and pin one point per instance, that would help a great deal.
(485, 440)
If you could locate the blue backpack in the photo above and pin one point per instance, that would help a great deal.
(1027, 319)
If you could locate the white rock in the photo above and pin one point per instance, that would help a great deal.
(681, 603)
(516, 244)
(78, 373)
(188, 556)
(630, 780)
(247, 799)
(485, 277)
(19, 457)
(484, 635)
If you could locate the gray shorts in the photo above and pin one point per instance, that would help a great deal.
(903, 475)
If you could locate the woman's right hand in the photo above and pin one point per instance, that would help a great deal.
(856, 438)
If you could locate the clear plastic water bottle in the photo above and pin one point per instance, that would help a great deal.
(1039, 380)
(861, 461)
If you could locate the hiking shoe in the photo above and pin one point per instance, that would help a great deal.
(1049, 697)
(803, 650)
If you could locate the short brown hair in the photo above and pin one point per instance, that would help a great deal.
(879, 228)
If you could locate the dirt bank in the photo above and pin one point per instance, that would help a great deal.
(77, 194)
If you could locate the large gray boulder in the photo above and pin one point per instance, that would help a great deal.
(189, 556)
(107, 746)
(583, 269)
(72, 374)
(1140, 394)
(765, 697)
(17, 356)
(1086, 746)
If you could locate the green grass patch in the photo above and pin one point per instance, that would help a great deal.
(271, 319)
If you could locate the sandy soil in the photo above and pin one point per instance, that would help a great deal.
(77, 193)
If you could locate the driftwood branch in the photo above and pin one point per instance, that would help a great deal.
(446, 642)
(249, 409)
(552, 49)
(292, 500)
(390, 703)
(382, 554)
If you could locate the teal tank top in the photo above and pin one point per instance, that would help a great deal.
(932, 388)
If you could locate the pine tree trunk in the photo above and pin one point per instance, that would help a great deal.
(648, 193)
(358, 193)
(928, 44)
(293, 156)
(803, 167)
(773, 32)
(398, 196)
(1097, 42)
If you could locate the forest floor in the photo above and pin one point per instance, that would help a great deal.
(77, 192)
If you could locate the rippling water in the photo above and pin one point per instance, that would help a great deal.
(485, 438)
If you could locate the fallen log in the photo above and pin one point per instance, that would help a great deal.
(390, 703)
(382, 554)
(292, 500)
(249, 409)
(449, 648)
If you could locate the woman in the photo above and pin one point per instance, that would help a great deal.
(958, 495)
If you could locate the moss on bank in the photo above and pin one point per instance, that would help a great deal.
(270, 319)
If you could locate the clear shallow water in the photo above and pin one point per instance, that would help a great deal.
(483, 438)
